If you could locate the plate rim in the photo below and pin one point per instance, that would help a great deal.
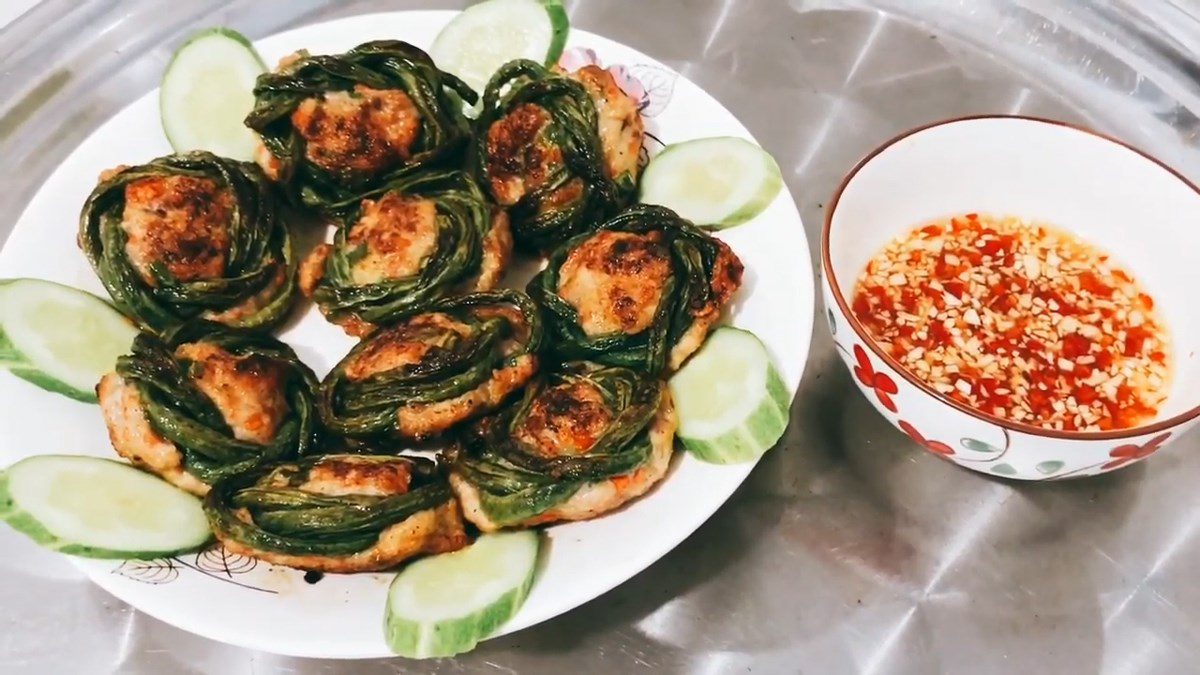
(100, 572)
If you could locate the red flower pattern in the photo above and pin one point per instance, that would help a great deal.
(883, 385)
(936, 447)
(1124, 454)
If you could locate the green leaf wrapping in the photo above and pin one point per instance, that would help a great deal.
(284, 517)
(455, 364)
(259, 266)
(179, 411)
(516, 482)
(464, 218)
(540, 218)
(382, 65)
(693, 258)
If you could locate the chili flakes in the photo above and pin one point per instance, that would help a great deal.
(1018, 320)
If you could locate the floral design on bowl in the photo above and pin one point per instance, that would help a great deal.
(936, 447)
(1132, 452)
(1042, 170)
(883, 386)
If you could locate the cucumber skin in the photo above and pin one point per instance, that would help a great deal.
(761, 201)
(10, 356)
(219, 30)
(761, 430)
(17, 364)
(223, 32)
(37, 377)
(560, 25)
(455, 636)
(27, 525)
(755, 206)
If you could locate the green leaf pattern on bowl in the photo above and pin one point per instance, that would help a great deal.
(1049, 467)
(975, 445)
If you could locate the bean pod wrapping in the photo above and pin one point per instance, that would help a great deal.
(190, 236)
(420, 238)
(641, 291)
(417, 377)
(334, 127)
(206, 401)
(581, 428)
(336, 513)
(540, 151)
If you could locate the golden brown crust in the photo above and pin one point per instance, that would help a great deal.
(266, 161)
(596, 498)
(423, 420)
(519, 158)
(180, 222)
(436, 530)
(564, 195)
(310, 273)
(727, 278)
(288, 60)
(397, 235)
(134, 439)
(312, 269)
(565, 419)
(615, 281)
(109, 173)
(356, 476)
(247, 390)
(497, 253)
(354, 326)
(368, 130)
(620, 124)
(404, 344)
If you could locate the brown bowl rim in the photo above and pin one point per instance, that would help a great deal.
(1028, 429)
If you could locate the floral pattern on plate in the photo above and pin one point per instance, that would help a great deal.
(215, 562)
(650, 85)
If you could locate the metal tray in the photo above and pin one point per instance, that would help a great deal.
(848, 550)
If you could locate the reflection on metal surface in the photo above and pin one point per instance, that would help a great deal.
(850, 549)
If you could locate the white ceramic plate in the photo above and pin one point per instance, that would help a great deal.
(242, 602)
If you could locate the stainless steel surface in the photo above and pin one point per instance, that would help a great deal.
(848, 550)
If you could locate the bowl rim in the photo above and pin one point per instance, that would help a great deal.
(839, 298)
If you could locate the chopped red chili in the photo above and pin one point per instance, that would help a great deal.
(1022, 321)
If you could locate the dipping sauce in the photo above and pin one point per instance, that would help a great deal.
(1018, 320)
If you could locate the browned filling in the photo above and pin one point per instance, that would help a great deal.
(520, 157)
(565, 419)
(180, 223)
(365, 131)
(615, 281)
(397, 235)
(350, 476)
(247, 390)
(405, 344)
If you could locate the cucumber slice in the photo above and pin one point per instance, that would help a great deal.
(444, 605)
(99, 508)
(488, 35)
(715, 182)
(207, 91)
(60, 338)
(732, 403)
